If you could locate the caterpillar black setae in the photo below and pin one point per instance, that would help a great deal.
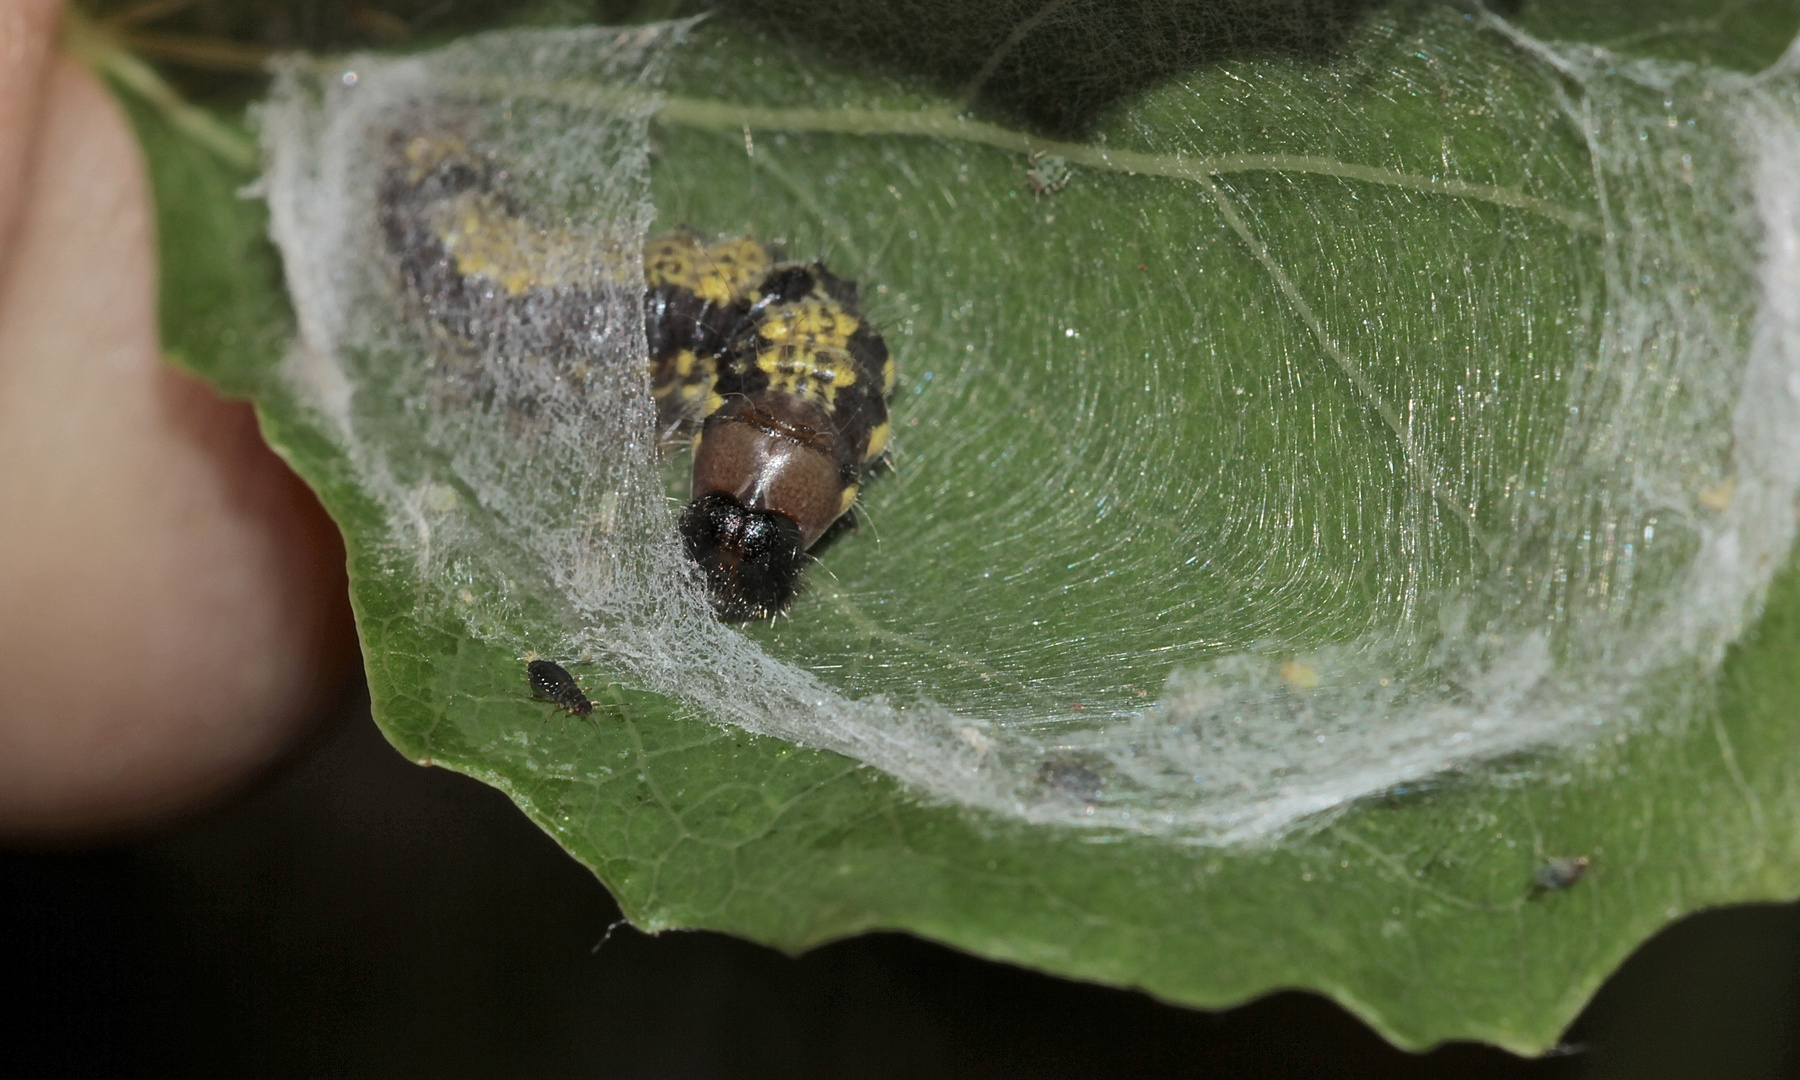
(767, 365)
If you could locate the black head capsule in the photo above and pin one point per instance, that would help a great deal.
(752, 558)
(786, 284)
(550, 682)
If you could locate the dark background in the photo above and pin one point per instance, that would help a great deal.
(362, 916)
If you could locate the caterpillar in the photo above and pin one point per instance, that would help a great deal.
(766, 366)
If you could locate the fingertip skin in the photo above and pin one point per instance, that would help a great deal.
(173, 608)
(27, 36)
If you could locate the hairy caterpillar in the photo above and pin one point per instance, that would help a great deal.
(767, 364)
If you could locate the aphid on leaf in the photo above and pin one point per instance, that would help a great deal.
(552, 682)
(1047, 174)
(1560, 873)
(769, 365)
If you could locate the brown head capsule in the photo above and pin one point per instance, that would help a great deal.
(765, 490)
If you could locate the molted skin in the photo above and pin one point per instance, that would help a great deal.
(473, 267)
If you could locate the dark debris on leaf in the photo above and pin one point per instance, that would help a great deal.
(1072, 779)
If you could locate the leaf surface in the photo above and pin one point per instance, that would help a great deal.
(1180, 359)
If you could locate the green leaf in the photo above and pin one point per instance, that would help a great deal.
(1356, 434)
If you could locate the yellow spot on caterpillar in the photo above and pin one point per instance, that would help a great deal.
(808, 357)
(720, 274)
(671, 259)
(878, 440)
(888, 376)
(687, 373)
(713, 404)
(510, 251)
(732, 267)
(807, 372)
(424, 152)
(813, 321)
(849, 498)
(701, 389)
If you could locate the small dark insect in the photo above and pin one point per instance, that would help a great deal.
(1560, 873)
(1071, 779)
(550, 682)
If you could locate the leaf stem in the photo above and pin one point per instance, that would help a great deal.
(216, 54)
(947, 124)
(104, 52)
